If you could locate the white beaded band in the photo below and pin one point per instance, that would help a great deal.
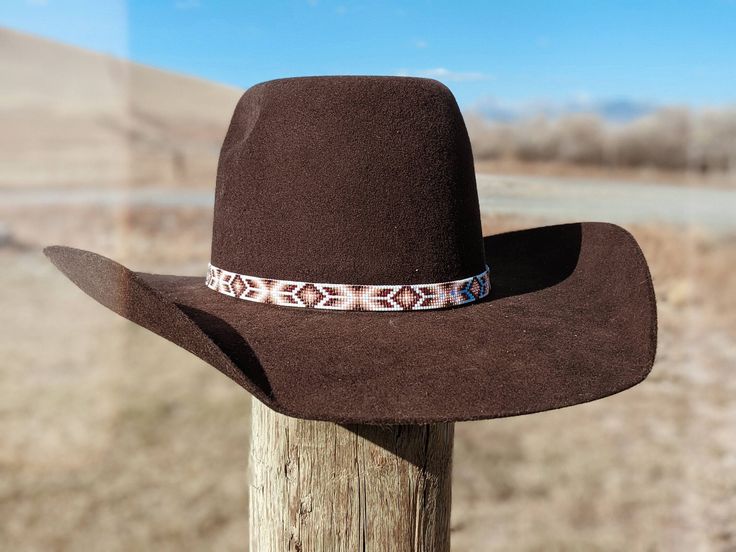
(349, 297)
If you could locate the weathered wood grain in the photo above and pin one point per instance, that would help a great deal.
(319, 486)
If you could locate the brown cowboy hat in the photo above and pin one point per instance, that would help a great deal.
(354, 199)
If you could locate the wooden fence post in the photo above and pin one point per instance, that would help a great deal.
(319, 486)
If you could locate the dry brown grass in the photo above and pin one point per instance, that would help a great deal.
(114, 439)
(110, 441)
(71, 117)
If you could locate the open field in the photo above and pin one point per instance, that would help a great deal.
(115, 439)
(73, 118)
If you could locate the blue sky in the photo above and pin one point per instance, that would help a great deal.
(489, 53)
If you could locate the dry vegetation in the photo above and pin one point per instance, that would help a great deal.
(75, 118)
(672, 139)
(115, 439)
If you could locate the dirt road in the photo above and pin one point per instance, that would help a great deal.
(552, 199)
(567, 199)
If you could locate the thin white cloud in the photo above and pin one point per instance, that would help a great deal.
(446, 75)
(421, 44)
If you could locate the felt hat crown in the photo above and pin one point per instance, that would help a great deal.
(348, 180)
(351, 194)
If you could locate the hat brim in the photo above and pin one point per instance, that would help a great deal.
(571, 318)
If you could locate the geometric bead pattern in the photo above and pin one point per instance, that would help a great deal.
(349, 297)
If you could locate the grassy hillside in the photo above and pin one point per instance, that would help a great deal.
(76, 118)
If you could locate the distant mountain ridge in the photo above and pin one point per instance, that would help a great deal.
(613, 110)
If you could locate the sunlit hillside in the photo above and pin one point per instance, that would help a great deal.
(76, 118)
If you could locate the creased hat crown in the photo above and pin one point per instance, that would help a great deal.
(360, 180)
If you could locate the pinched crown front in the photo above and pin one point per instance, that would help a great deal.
(348, 180)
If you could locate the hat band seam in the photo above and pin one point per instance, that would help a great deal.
(349, 297)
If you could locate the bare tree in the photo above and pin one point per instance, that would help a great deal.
(672, 138)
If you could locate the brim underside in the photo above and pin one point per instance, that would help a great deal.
(571, 318)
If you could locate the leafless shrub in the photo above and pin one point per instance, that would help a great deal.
(714, 141)
(535, 139)
(659, 140)
(490, 140)
(671, 138)
(581, 139)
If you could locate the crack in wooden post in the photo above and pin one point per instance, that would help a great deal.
(319, 486)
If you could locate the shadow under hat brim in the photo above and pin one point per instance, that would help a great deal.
(571, 318)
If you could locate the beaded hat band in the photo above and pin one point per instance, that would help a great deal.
(349, 297)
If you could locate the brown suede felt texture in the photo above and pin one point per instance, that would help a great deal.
(370, 180)
(360, 180)
(571, 318)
